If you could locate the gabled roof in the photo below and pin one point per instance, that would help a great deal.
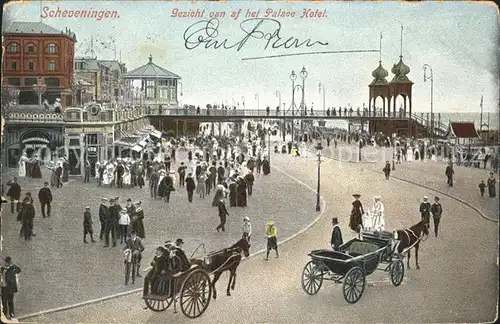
(32, 27)
(462, 130)
(151, 71)
(113, 65)
(90, 63)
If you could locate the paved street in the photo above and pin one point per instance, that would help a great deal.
(431, 174)
(58, 269)
(457, 281)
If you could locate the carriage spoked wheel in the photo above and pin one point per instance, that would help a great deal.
(158, 305)
(162, 289)
(195, 293)
(312, 278)
(354, 285)
(397, 272)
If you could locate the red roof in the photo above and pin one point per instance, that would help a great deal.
(464, 130)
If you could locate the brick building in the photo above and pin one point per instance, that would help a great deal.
(36, 50)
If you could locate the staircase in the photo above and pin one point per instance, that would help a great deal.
(440, 129)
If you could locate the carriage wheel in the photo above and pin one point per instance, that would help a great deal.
(354, 285)
(158, 305)
(397, 272)
(312, 278)
(162, 287)
(195, 293)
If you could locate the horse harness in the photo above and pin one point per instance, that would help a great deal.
(231, 252)
(412, 233)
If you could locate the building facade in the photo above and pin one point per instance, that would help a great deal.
(34, 50)
(98, 80)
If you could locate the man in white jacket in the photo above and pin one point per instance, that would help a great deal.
(247, 228)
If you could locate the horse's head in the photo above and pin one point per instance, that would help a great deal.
(421, 229)
(243, 246)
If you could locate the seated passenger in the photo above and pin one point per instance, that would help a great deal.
(184, 263)
(160, 265)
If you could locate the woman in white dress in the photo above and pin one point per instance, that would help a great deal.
(409, 154)
(378, 214)
(22, 165)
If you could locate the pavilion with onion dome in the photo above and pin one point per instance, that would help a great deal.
(400, 85)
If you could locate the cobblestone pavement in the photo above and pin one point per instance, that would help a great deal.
(58, 269)
(431, 174)
(456, 283)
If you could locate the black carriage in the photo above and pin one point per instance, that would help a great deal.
(192, 289)
(355, 260)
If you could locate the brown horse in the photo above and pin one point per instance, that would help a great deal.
(409, 237)
(225, 260)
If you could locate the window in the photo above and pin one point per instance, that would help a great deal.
(13, 65)
(173, 94)
(31, 66)
(29, 82)
(52, 82)
(150, 92)
(14, 81)
(162, 83)
(80, 65)
(52, 65)
(30, 48)
(163, 93)
(13, 48)
(52, 48)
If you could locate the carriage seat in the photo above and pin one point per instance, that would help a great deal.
(180, 273)
(358, 248)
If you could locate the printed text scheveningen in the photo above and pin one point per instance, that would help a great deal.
(59, 13)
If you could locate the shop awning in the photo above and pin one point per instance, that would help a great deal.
(156, 134)
(137, 148)
(144, 141)
(121, 142)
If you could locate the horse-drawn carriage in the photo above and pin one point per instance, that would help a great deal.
(359, 258)
(193, 288)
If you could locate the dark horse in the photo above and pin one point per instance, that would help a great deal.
(225, 260)
(409, 237)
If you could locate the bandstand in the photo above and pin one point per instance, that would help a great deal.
(158, 86)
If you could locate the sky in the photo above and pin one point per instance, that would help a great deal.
(458, 40)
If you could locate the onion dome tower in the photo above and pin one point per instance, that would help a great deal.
(400, 84)
(379, 86)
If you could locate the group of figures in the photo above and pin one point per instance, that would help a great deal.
(31, 167)
(121, 173)
(369, 221)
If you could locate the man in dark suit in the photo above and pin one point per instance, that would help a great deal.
(111, 222)
(14, 193)
(190, 187)
(9, 286)
(103, 217)
(336, 240)
(45, 197)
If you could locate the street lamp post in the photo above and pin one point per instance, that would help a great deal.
(180, 101)
(303, 75)
(293, 77)
(278, 94)
(243, 102)
(257, 99)
(284, 123)
(319, 147)
(431, 78)
(269, 144)
(40, 87)
(322, 88)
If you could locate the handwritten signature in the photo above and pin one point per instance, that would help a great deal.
(206, 32)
